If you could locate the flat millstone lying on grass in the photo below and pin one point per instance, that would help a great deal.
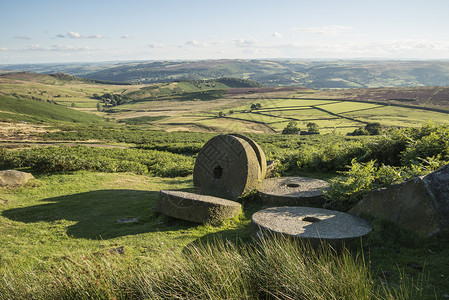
(312, 224)
(196, 208)
(299, 191)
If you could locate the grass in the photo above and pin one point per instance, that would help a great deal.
(59, 235)
(76, 214)
(40, 112)
(60, 239)
(330, 115)
(180, 106)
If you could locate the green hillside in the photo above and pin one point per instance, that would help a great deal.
(322, 74)
(12, 109)
(311, 74)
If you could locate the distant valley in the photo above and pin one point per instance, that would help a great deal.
(218, 105)
(324, 74)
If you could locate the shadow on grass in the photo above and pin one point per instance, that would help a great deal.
(96, 214)
(239, 235)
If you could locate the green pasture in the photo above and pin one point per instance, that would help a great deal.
(185, 106)
(75, 214)
(331, 115)
(61, 235)
(40, 112)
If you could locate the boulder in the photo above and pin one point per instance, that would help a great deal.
(196, 208)
(228, 166)
(315, 225)
(420, 204)
(296, 191)
(12, 178)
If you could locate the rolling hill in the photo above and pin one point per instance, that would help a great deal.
(219, 105)
(25, 110)
(324, 74)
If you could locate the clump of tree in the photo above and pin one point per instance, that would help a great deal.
(238, 82)
(291, 128)
(228, 81)
(256, 106)
(369, 129)
(313, 128)
(112, 99)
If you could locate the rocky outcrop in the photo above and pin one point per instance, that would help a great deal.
(12, 178)
(420, 204)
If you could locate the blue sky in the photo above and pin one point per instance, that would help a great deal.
(33, 31)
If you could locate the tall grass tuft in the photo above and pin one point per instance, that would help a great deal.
(273, 268)
(286, 269)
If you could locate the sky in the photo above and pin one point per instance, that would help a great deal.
(60, 31)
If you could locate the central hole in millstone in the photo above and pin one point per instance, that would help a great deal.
(310, 219)
(292, 185)
(218, 172)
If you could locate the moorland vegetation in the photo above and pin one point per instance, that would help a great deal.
(61, 238)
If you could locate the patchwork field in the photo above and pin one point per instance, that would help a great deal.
(225, 105)
(332, 116)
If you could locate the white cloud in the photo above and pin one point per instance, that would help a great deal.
(35, 47)
(57, 47)
(409, 44)
(21, 37)
(68, 47)
(324, 30)
(126, 36)
(243, 43)
(195, 43)
(277, 35)
(156, 45)
(3, 49)
(76, 35)
(406, 48)
(96, 36)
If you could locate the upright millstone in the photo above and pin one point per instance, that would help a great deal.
(259, 154)
(227, 167)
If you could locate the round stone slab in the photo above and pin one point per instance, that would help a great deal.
(226, 167)
(299, 191)
(196, 208)
(261, 158)
(309, 223)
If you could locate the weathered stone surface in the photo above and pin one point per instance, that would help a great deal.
(11, 178)
(271, 169)
(308, 223)
(227, 166)
(299, 191)
(196, 208)
(259, 154)
(420, 204)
